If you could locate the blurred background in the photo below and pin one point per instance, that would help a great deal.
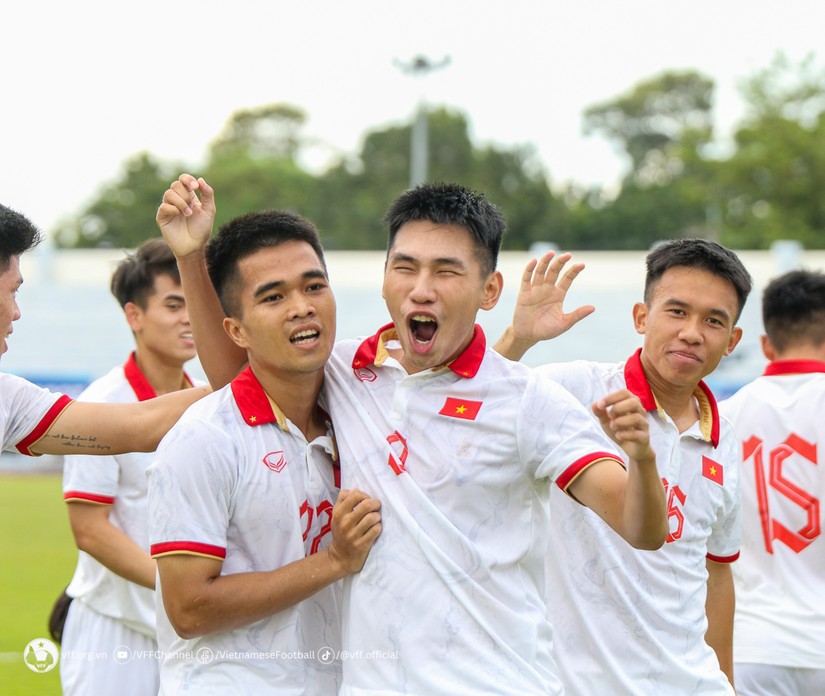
(597, 128)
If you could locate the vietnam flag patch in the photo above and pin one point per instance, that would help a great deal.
(460, 408)
(713, 470)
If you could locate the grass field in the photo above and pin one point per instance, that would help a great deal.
(38, 559)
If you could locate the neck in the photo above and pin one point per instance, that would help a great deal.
(296, 394)
(675, 399)
(802, 353)
(165, 378)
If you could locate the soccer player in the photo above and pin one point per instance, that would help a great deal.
(35, 421)
(779, 636)
(660, 622)
(113, 585)
(248, 538)
(461, 446)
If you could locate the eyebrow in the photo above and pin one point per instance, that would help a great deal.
(440, 261)
(174, 298)
(717, 312)
(308, 275)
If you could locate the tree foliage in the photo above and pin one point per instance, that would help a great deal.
(768, 188)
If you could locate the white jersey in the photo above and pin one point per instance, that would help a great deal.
(118, 481)
(234, 480)
(780, 579)
(26, 412)
(630, 621)
(450, 599)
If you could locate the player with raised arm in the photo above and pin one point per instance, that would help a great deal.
(248, 538)
(652, 623)
(36, 421)
(455, 442)
(779, 625)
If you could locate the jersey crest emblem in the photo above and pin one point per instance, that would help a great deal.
(365, 374)
(275, 461)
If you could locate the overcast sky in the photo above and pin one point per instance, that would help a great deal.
(88, 83)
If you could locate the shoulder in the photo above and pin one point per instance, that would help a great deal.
(111, 386)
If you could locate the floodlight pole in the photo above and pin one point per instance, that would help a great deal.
(418, 67)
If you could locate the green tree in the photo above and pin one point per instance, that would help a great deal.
(773, 183)
(123, 212)
(354, 194)
(252, 164)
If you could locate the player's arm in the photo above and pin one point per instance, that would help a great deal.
(199, 600)
(719, 607)
(186, 220)
(539, 314)
(97, 536)
(93, 428)
(632, 502)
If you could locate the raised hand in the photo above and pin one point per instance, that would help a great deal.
(623, 418)
(539, 314)
(356, 524)
(185, 219)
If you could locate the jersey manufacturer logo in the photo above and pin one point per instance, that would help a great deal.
(460, 408)
(365, 374)
(275, 461)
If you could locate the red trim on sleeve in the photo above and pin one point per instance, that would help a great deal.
(572, 472)
(89, 497)
(46, 422)
(187, 547)
(722, 559)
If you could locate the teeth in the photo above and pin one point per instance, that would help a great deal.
(422, 318)
(302, 336)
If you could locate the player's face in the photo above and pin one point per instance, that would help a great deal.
(162, 328)
(434, 286)
(688, 326)
(10, 281)
(287, 317)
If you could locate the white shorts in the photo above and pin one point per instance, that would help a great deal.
(774, 680)
(100, 655)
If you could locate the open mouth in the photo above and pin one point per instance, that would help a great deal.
(423, 328)
(302, 337)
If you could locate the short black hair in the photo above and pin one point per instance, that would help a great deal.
(793, 309)
(247, 234)
(451, 204)
(17, 235)
(134, 277)
(698, 253)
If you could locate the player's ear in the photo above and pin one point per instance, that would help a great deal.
(492, 290)
(735, 337)
(640, 317)
(767, 348)
(134, 315)
(235, 331)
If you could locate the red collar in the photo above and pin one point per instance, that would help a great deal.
(254, 404)
(791, 367)
(465, 365)
(636, 380)
(137, 380)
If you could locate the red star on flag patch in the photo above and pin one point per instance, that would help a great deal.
(713, 470)
(460, 408)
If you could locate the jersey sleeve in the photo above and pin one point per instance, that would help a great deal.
(726, 532)
(90, 479)
(191, 490)
(558, 437)
(28, 411)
